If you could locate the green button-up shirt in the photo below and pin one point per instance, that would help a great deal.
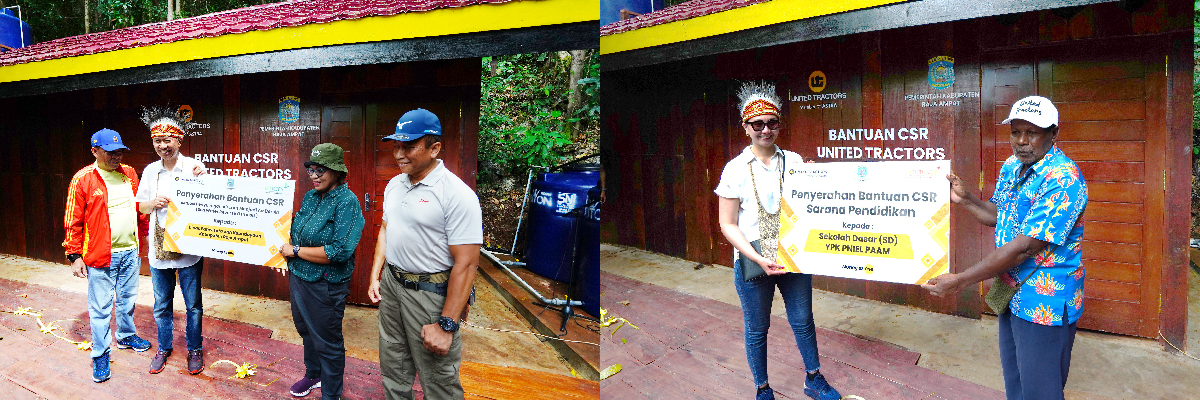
(333, 221)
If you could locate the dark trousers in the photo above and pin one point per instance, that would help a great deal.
(1035, 358)
(317, 310)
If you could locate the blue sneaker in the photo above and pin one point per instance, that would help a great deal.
(100, 371)
(819, 389)
(133, 342)
(765, 393)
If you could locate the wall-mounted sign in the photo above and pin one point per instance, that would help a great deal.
(881, 221)
(185, 113)
(192, 128)
(816, 81)
(225, 159)
(289, 109)
(889, 151)
(941, 72)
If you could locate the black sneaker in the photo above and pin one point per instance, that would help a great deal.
(133, 342)
(160, 361)
(195, 361)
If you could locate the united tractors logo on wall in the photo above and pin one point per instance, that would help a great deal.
(185, 113)
(816, 81)
(289, 109)
(941, 72)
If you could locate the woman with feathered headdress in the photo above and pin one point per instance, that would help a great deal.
(751, 191)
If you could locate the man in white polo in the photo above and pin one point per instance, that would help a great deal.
(429, 240)
(168, 268)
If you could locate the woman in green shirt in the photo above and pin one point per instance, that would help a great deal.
(321, 258)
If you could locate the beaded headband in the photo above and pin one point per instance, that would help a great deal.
(758, 98)
(163, 122)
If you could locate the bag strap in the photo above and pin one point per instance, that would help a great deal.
(1038, 266)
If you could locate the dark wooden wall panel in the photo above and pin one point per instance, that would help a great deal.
(41, 146)
(1121, 119)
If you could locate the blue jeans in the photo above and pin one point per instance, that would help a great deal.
(164, 305)
(756, 297)
(1035, 358)
(120, 279)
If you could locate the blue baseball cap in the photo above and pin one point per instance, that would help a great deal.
(108, 140)
(415, 124)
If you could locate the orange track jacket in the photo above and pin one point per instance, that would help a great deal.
(86, 219)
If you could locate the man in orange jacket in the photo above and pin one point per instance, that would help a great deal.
(102, 245)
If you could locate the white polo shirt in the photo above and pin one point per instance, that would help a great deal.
(157, 180)
(425, 219)
(735, 184)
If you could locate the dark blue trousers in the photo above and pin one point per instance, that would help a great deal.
(1035, 358)
(317, 309)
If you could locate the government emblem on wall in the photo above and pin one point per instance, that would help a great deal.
(941, 72)
(289, 109)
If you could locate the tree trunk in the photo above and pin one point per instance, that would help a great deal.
(578, 63)
(170, 10)
(87, 16)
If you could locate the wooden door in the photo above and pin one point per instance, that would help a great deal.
(342, 124)
(1112, 118)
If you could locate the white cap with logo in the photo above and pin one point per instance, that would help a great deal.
(1037, 110)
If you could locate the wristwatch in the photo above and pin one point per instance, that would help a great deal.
(295, 250)
(448, 324)
(72, 257)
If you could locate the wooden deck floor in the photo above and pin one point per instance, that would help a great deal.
(690, 347)
(37, 365)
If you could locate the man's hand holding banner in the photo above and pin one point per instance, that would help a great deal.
(882, 221)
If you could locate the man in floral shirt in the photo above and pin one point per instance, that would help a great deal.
(1037, 210)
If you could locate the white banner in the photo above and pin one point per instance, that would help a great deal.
(241, 219)
(881, 221)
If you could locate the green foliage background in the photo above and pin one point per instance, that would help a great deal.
(55, 19)
(524, 116)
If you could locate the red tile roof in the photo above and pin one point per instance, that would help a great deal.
(255, 18)
(678, 12)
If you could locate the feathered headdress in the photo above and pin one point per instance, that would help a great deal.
(757, 98)
(163, 121)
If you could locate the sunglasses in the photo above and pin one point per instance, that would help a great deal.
(318, 171)
(759, 125)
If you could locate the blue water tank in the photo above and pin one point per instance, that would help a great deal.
(610, 10)
(553, 232)
(14, 33)
(588, 284)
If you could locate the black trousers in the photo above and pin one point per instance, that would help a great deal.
(317, 309)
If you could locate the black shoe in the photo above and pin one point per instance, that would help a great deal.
(765, 393)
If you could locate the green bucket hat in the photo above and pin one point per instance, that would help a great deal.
(328, 155)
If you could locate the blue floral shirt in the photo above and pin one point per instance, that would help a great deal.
(1045, 203)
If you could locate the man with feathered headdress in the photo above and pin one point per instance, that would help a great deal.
(167, 131)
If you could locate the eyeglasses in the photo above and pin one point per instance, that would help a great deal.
(318, 171)
(759, 125)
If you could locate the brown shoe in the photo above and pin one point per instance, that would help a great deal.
(160, 361)
(195, 361)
